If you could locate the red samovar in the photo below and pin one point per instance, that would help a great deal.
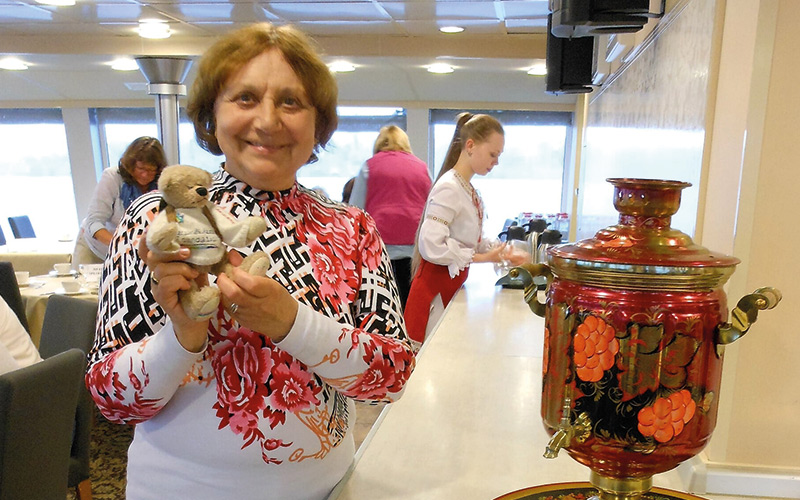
(635, 321)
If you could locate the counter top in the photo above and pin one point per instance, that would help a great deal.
(468, 425)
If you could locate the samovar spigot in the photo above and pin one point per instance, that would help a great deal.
(567, 431)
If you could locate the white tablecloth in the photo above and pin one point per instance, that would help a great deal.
(39, 291)
(36, 256)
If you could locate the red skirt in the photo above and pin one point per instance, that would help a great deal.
(431, 280)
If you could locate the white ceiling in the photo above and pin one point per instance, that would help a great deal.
(69, 49)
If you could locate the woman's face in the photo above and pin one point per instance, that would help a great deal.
(265, 123)
(485, 155)
(143, 173)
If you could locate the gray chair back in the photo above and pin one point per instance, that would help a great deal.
(69, 323)
(37, 415)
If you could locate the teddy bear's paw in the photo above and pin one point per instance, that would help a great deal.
(202, 303)
(256, 264)
(164, 238)
(255, 228)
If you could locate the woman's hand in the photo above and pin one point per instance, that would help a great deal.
(261, 304)
(503, 253)
(495, 254)
(515, 257)
(168, 275)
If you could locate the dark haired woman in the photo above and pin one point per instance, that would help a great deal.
(136, 174)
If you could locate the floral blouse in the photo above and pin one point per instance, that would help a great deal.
(249, 416)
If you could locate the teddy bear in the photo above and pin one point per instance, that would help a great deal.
(187, 218)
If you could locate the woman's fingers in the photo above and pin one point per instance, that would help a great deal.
(235, 258)
(258, 303)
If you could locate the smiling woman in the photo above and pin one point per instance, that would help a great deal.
(320, 322)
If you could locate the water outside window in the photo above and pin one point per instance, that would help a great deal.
(35, 177)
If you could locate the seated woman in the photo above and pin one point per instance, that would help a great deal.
(137, 173)
(16, 348)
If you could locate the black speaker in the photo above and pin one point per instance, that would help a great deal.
(576, 18)
(570, 63)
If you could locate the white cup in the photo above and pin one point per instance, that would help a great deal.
(63, 268)
(22, 277)
(71, 286)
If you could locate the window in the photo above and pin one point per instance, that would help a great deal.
(530, 175)
(35, 176)
(350, 146)
(118, 127)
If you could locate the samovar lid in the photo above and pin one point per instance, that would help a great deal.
(642, 247)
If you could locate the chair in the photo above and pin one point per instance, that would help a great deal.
(37, 415)
(69, 323)
(9, 290)
(21, 227)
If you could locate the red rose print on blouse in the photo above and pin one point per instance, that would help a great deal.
(328, 269)
(108, 391)
(371, 247)
(389, 366)
(292, 388)
(242, 367)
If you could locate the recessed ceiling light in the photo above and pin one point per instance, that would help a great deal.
(154, 28)
(341, 67)
(451, 29)
(440, 68)
(538, 69)
(57, 3)
(12, 64)
(124, 65)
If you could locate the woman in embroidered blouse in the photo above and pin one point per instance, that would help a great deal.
(258, 401)
(137, 173)
(450, 233)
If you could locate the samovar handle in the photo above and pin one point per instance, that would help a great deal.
(745, 314)
(526, 272)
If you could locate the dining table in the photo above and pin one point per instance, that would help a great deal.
(36, 255)
(36, 293)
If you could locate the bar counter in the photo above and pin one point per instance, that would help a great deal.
(468, 425)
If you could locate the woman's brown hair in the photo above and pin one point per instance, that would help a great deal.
(146, 150)
(468, 126)
(234, 51)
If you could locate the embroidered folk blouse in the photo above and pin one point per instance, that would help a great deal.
(450, 234)
(249, 418)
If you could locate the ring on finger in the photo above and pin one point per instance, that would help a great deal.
(153, 278)
(234, 307)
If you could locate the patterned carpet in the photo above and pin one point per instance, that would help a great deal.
(109, 458)
(110, 452)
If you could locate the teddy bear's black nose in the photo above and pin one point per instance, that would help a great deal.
(202, 191)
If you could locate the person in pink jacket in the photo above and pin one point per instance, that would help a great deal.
(256, 402)
(392, 187)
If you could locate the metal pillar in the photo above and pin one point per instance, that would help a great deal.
(165, 75)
